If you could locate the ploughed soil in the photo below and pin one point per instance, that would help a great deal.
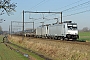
(55, 49)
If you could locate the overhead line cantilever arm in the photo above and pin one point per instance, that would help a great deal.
(21, 22)
(45, 12)
(40, 12)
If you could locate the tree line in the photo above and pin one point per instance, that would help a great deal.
(85, 29)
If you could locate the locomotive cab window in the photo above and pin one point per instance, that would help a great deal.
(72, 27)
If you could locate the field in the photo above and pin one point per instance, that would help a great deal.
(8, 54)
(84, 36)
(56, 50)
(9, 49)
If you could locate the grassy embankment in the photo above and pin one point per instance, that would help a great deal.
(54, 50)
(84, 36)
(7, 54)
(36, 57)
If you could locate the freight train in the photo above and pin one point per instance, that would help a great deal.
(63, 31)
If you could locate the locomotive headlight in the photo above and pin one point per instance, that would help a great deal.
(68, 32)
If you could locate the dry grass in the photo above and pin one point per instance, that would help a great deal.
(55, 50)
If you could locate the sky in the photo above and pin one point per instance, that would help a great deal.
(77, 11)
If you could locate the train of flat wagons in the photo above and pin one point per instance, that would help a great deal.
(62, 31)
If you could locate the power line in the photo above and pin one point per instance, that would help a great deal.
(79, 5)
(76, 6)
(18, 16)
(80, 8)
(54, 14)
(77, 13)
(66, 6)
(43, 17)
(38, 4)
(69, 4)
(59, 8)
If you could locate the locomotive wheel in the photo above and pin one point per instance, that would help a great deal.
(61, 38)
(66, 39)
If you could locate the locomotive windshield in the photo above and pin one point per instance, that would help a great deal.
(72, 26)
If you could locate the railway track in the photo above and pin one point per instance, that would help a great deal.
(63, 41)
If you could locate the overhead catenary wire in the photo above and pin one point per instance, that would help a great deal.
(66, 6)
(77, 6)
(85, 3)
(42, 15)
(38, 4)
(69, 4)
(77, 13)
(53, 14)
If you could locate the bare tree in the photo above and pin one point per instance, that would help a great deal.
(6, 5)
